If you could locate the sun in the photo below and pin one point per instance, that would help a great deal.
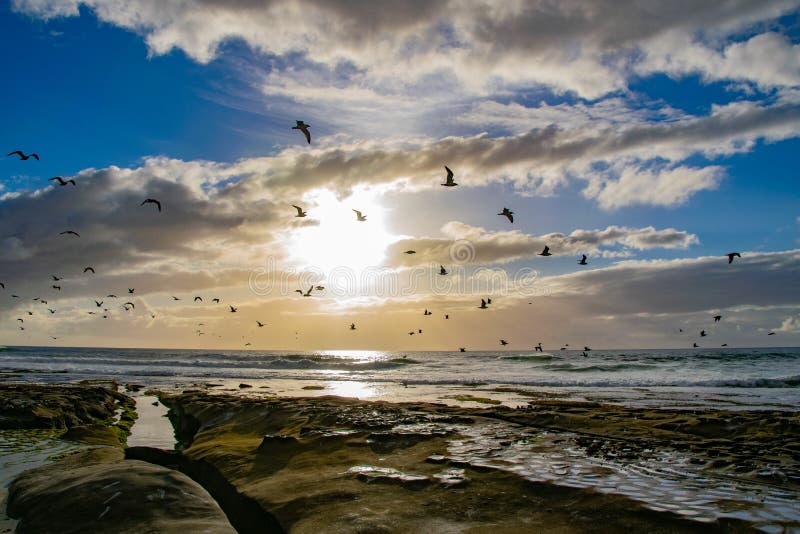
(340, 240)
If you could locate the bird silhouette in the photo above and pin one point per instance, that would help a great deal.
(695, 345)
(410, 252)
(483, 305)
(538, 348)
(582, 261)
(87, 269)
(771, 334)
(198, 298)
(51, 310)
(732, 255)
(545, 252)
(303, 127)
(308, 293)
(152, 201)
(128, 304)
(233, 310)
(462, 349)
(56, 278)
(56, 287)
(215, 300)
(2, 285)
(724, 345)
(72, 232)
(24, 157)
(507, 213)
(703, 333)
(112, 296)
(426, 312)
(503, 342)
(99, 303)
(446, 316)
(319, 288)
(130, 291)
(360, 217)
(411, 333)
(442, 270)
(717, 318)
(449, 179)
(260, 324)
(419, 331)
(300, 212)
(61, 181)
(352, 326)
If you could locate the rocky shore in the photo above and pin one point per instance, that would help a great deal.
(329, 464)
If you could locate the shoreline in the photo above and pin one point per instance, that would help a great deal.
(391, 453)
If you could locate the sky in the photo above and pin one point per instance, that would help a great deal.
(653, 137)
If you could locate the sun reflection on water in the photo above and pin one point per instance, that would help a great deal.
(348, 388)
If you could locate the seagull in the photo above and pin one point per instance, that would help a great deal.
(87, 269)
(56, 278)
(582, 261)
(51, 310)
(462, 349)
(545, 252)
(410, 252)
(2, 285)
(717, 318)
(112, 296)
(446, 316)
(22, 155)
(73, 232)
(30, 313)
(300, 212)
(538, 347)
(483, 305)
(586, 349)
(732, 255)
(198, 298)
(14, 296)
(503, 342)
(175, 298)
(352, 326)
(442, 270)
(702, 333)
(426, 312)
(320, 288)
(61, 181)
(152, 201)
(488, 301)
(411, 333)
(420, 330)
(233, 310)
(215, 300)
(56, 287)
(99, 303)
(308, 293)
(130, 291)
(303, 127)
(128, 304)
(449, 180)
(260, 324)
(508, 214)
(771, 334)
(695, 345)
(584, 354)
(360, 217)
(20, 320)
(724, 345)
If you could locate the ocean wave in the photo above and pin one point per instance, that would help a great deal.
(570, 368)
(529, 358)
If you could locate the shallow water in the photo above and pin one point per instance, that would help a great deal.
(152, 428)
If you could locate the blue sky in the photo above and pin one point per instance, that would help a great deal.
(197, 105)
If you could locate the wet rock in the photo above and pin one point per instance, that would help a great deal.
(244, 386)
(369, 473)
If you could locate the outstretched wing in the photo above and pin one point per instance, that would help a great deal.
(18, 152)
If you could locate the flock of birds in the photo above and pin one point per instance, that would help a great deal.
(304, 128)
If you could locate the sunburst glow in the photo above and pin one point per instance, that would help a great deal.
(340, 240)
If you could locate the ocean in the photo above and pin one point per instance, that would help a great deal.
(754, 378)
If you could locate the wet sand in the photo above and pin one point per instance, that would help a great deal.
(331, 464)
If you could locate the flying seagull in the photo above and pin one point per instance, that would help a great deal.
(410, 252)
(87, 269)
(112, 296)
(319, 288)
(56, 287)
(582, 261)
(462, 349)
(771, 334)
(360, 217)
(539, 347)
(61, 181)
(56, 278)
(260, 324)
(233, 310)
(717, 318)
(198, 298)
(503, 342)
(508, 214)
(732, 255)
(22, 155)
(2, 285)
(65, 232)
(128, 304)
(695, 345)
(703, 333)
(175, 298)
(545, 252)
(216, 300)
(51, 310)
(130, 291)
(352, 326)
(152, 201)
(308, 293)
(303, 127)
(449, 180)
(300, 212)
(426, 312)
(483, 305)
(442, 270)
(99, 303)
